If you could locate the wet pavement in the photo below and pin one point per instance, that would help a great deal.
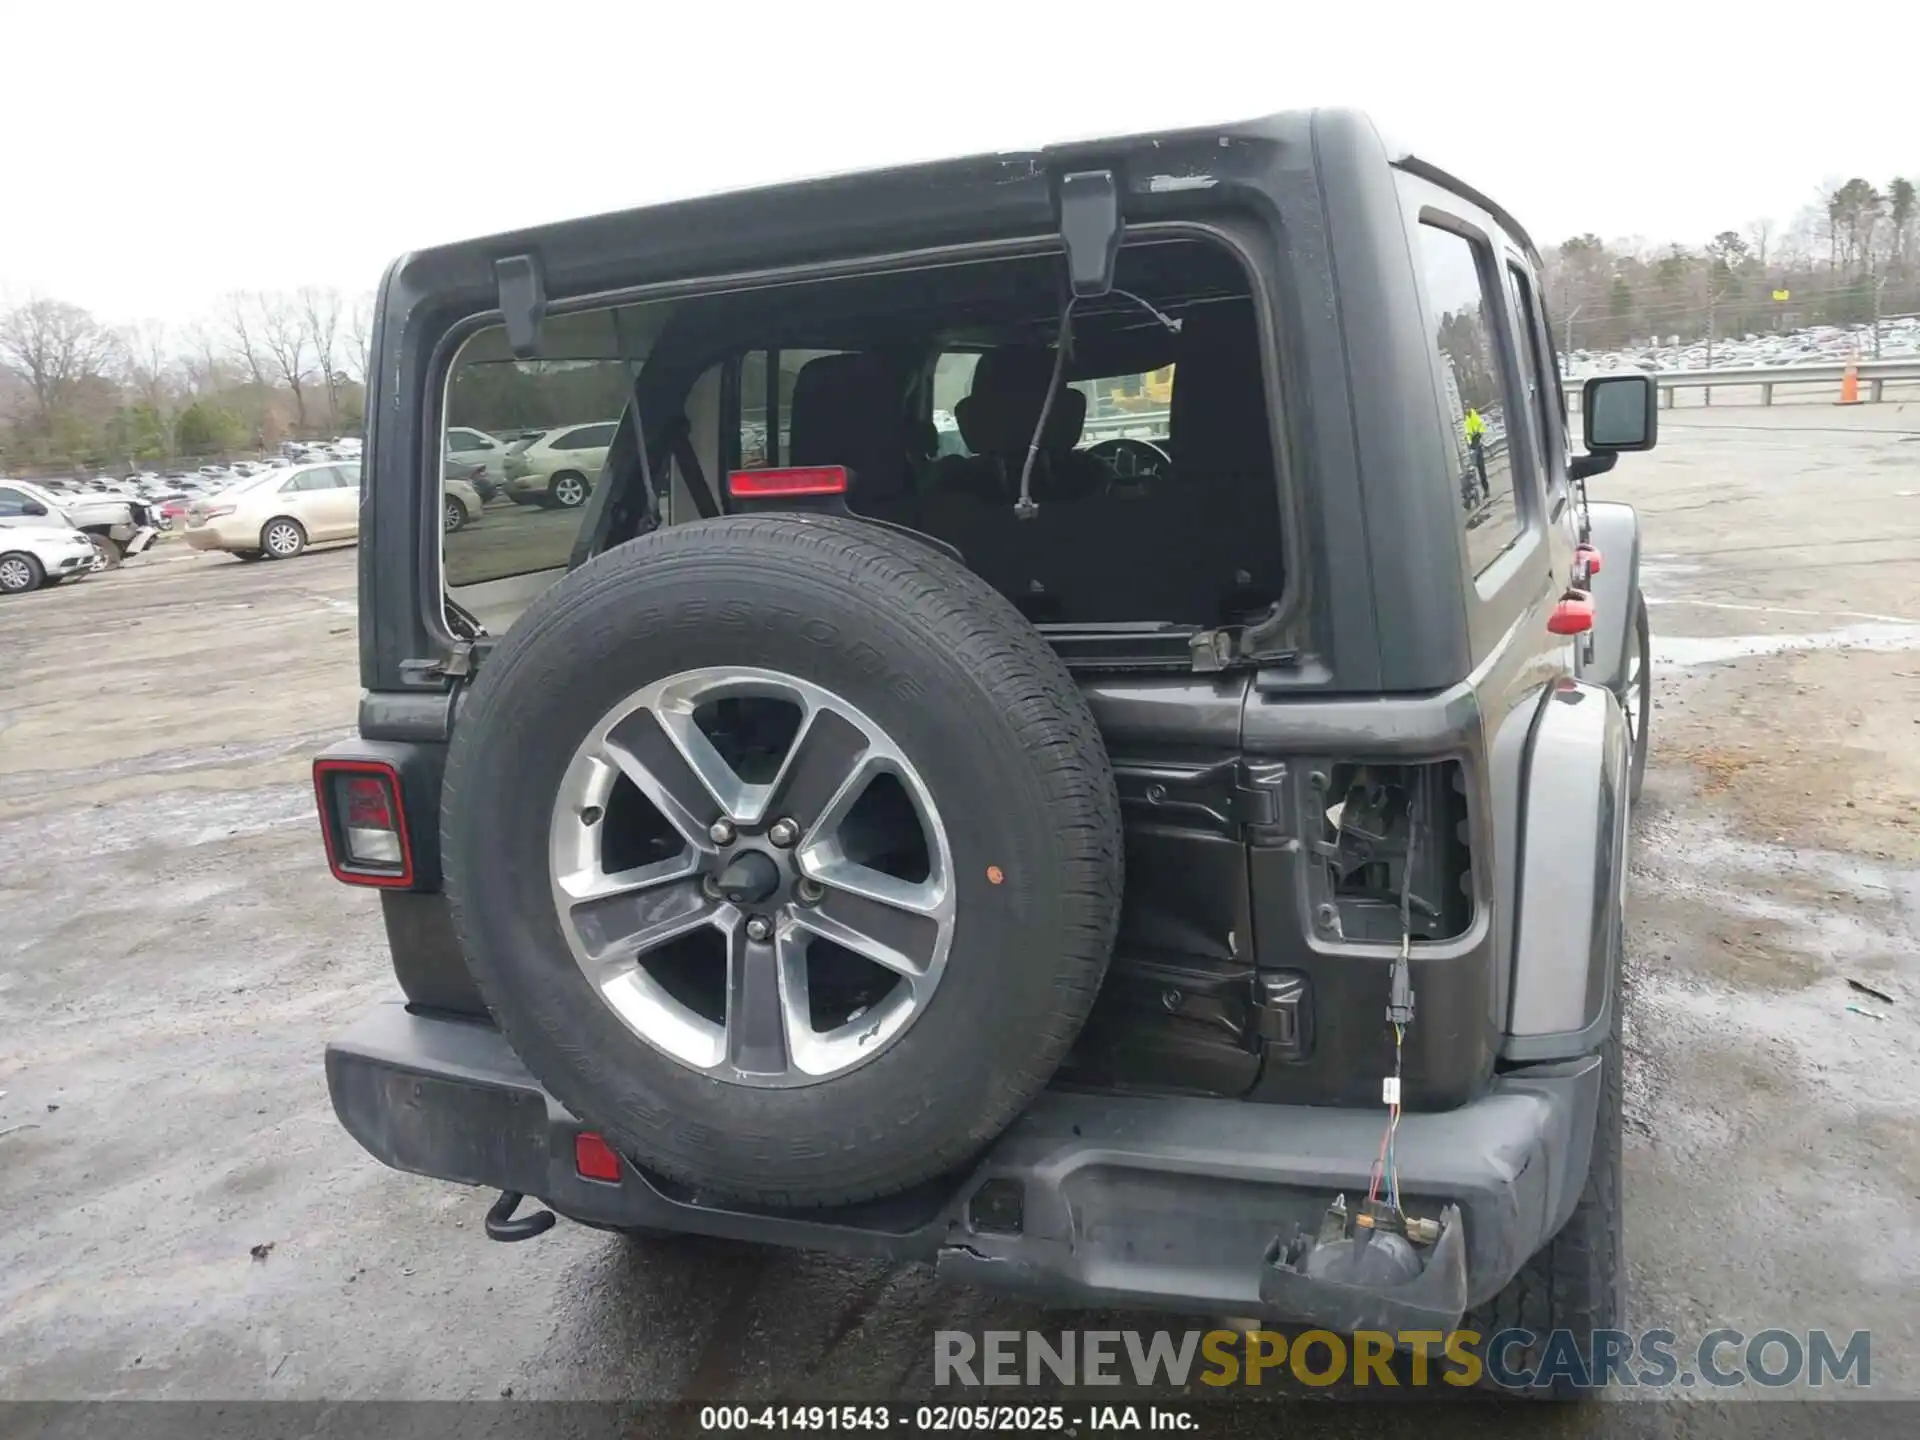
(173, 957)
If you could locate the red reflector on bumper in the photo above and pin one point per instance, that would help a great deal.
(593, 1158)
(792, 481)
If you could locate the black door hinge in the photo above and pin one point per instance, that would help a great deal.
(1234, 794)
(459, 663)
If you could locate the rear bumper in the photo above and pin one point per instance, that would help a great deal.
(1138, 1201)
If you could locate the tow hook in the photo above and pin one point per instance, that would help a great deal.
(503, 1227)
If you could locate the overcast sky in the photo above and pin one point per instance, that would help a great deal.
(160, 155)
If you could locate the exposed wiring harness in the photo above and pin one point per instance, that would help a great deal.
(1399, 1016)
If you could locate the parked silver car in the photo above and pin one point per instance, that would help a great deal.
(116, 523)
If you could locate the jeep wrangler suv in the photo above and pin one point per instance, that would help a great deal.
(1155, 838)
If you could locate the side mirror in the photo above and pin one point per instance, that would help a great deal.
(1620, 413)
(32, 507)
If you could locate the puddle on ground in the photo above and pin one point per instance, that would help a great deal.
(1756, 1059)
(1843, 914)
(1679, 652)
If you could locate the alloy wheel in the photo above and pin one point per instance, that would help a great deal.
(15, 575)
(752, 876)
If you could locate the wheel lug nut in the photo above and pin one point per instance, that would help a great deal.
(710, 887)
(721, 831)
(783, 833)
(759, 928)
(809, 892)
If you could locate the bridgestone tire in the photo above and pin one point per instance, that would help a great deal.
(994, 726)
(1577, 1283)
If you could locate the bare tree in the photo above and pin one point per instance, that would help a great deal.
(1761, 233)
(283, 338)
(320, 321)
(360, 339)
(200, 356)
(242, 316)
(54, 347)
(148, 351)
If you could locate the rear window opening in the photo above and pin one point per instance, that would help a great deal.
(1158, 502)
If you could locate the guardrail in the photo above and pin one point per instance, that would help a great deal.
(1874, 376)
(1142, 425)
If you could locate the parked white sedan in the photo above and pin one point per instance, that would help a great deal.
(36, 555)
(278, 514)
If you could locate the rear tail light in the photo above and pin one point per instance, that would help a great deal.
(363, 822)
(794, 481)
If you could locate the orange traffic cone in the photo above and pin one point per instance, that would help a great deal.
(1850, 385)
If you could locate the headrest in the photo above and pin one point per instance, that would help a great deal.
(851, 410)
(1002, 407)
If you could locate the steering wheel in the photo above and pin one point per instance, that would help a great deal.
(1132, 462)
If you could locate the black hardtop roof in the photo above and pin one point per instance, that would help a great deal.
(905, 206)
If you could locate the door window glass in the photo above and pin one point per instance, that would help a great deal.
(1462, 318)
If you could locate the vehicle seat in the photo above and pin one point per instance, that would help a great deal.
(997, 420)
(851, 410)
(1221, 444)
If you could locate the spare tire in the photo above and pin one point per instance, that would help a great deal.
(785, 853)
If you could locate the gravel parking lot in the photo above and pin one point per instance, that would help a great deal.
(173, 957)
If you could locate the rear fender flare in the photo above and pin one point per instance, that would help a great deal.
(1572, 881)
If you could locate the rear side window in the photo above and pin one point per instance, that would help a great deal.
(1538, 378)
(1462, 317)
(498, 406)
(587, 437)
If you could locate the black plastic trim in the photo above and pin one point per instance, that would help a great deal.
(1100, 1175)
(427, 958)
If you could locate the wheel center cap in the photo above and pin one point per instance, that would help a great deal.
(750, 877)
